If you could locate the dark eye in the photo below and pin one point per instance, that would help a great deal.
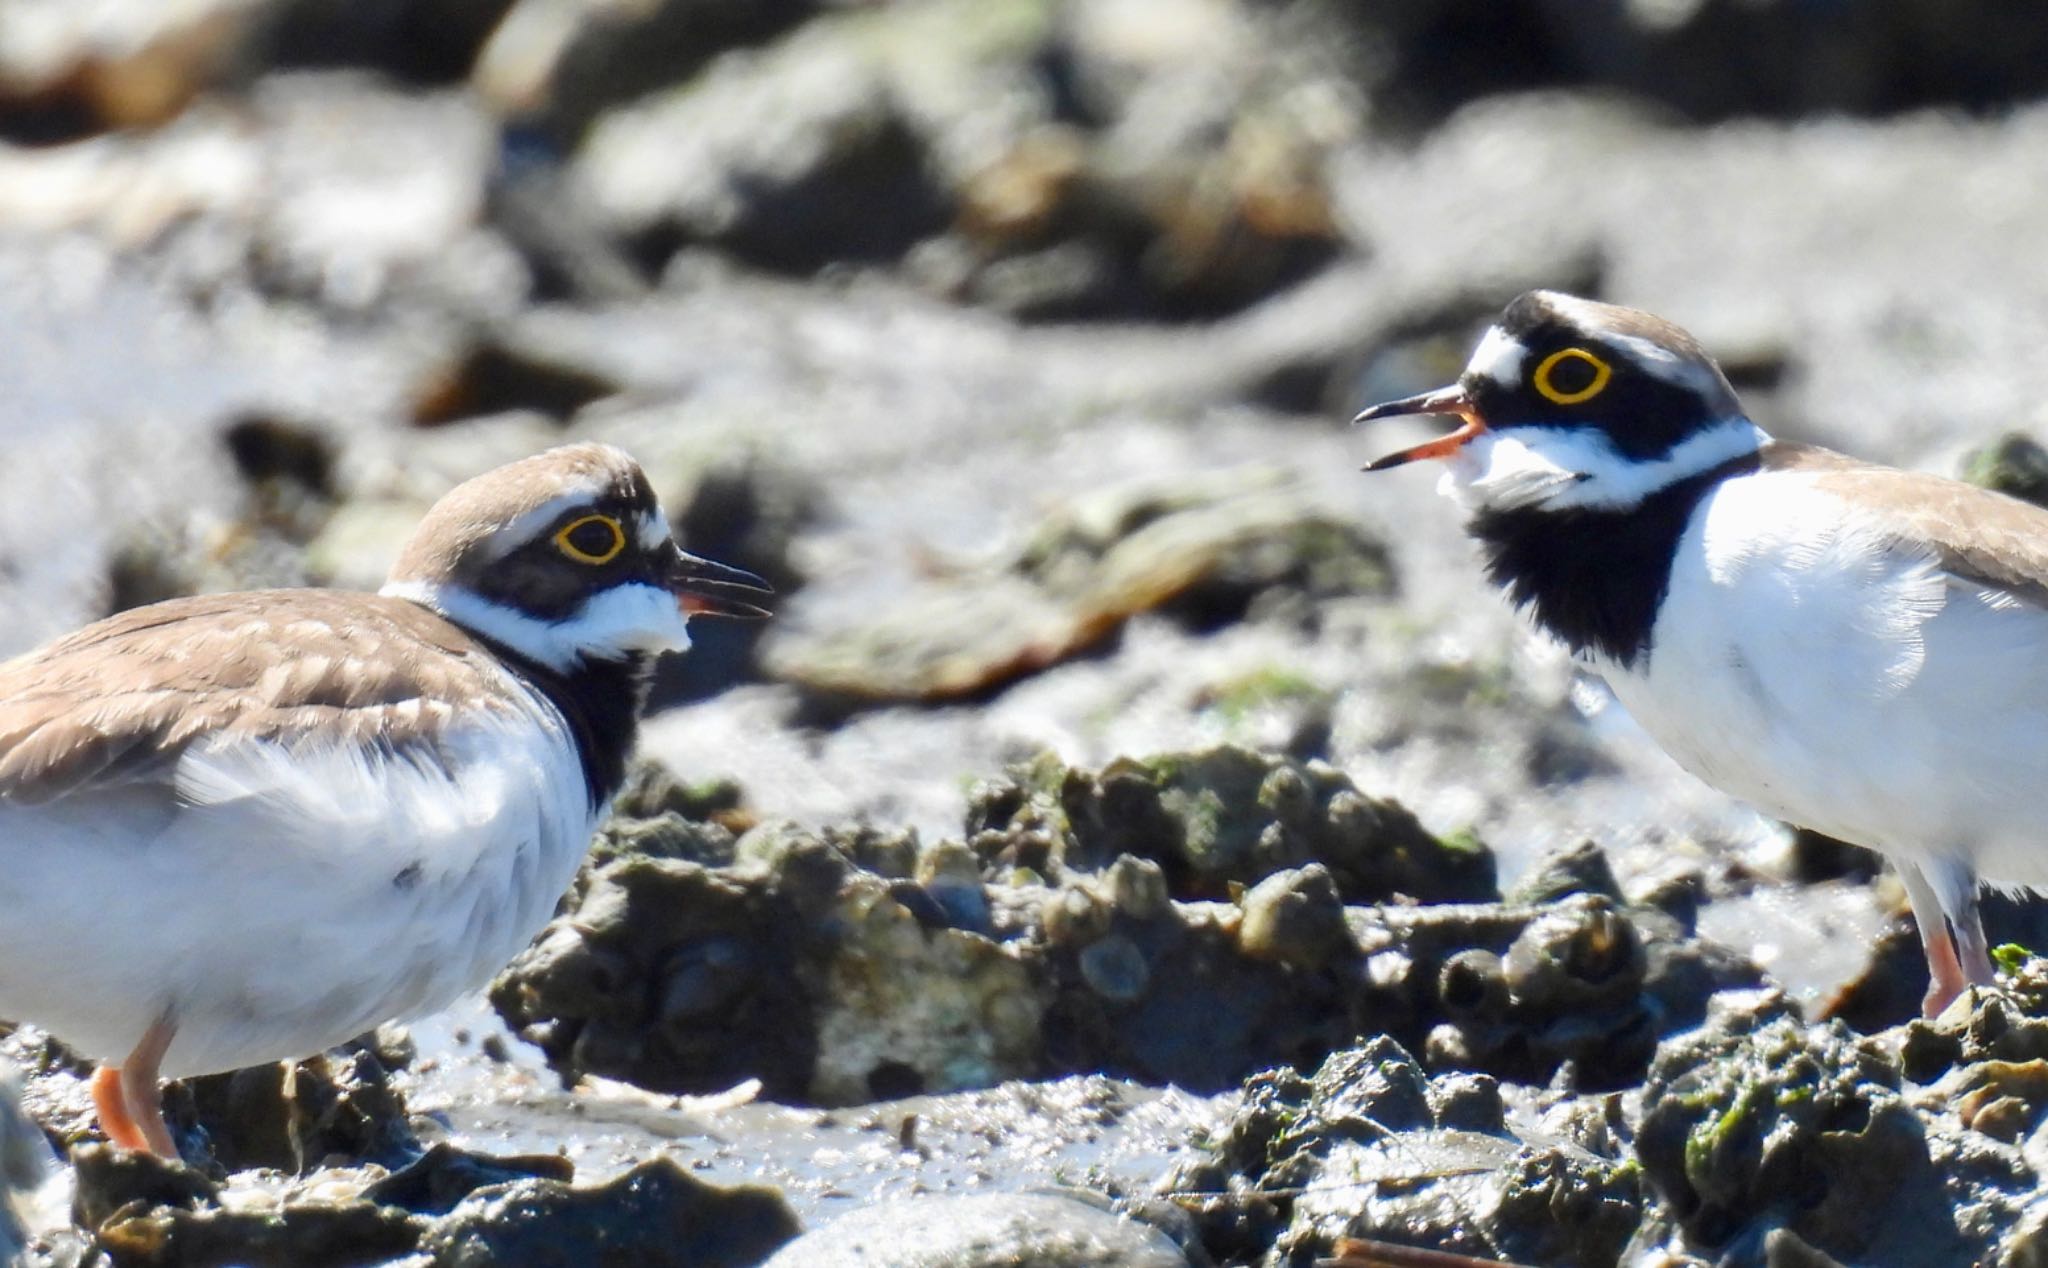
(1571, 375)
(594, 539)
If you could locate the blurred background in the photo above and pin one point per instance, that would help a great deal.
(1013, 340)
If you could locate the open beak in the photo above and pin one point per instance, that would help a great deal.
(704, 587)
(1445, 400)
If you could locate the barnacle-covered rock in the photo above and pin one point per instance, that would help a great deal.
(795, 965)
(1370, 1146)
(1565, 974)
(1758, 1117)
(849, 964)
(1222, 816)
(663, 976)
(1570, 987)
(1188, 919)
(1167, 993)
(2008, 1026)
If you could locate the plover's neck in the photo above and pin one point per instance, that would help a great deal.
(599, 699)
(1594, 578)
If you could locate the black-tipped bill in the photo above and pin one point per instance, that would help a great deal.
(705, 587)
(1445, 400)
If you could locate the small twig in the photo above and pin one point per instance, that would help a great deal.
(1363, 1252)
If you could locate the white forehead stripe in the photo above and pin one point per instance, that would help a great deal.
(1662, 362)
(653, 530)
(527, 525)
(1651, 357)
(1498, 357)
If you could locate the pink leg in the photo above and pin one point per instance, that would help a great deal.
(1944, 895)
(1944, 971)
(129, 1100)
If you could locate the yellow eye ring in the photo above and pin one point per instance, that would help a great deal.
(1601, 373)
(565, 540)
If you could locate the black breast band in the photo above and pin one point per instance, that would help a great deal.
(1595, 578)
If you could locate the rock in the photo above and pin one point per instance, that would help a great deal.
(1435, 57)
(1187, 186)
(791, 158)
(438, 1180)
(1890, 987)
(1171, 996)
(2026, 1246)
(1563, 1206)
(1987, 1026)
(295, 1116)
(67, 72)
(1232, 549)
(557, 67)
(654, 1214)
(432, 42)
(903, 1007)
(1818, 857)
(665, 836)
(1757, 1118)
(848, 965)
(1149, 167)
(2014, 464)
(1219, 817)
(373, 201)
(984, 1231)
(652, 790)
(1468, 1102)
(950, 874)
(499, 375)
(1363, 1149)
(142, 1210)
(1580, 982)
(1202, 186)
(794, 966)
(2001, 1099)
(662, 976)
(457, 1207)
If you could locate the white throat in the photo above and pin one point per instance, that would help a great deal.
(1565, 468)
(611, 625)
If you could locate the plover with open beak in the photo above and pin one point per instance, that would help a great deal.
(1849, 647)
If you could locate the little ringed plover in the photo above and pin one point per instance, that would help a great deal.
(242, 828)
(1849, 647)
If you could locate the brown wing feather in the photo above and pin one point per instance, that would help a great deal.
(121, 698)
(1985, 537)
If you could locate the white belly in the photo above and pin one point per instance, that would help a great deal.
(1802, 664)
(274, 909)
